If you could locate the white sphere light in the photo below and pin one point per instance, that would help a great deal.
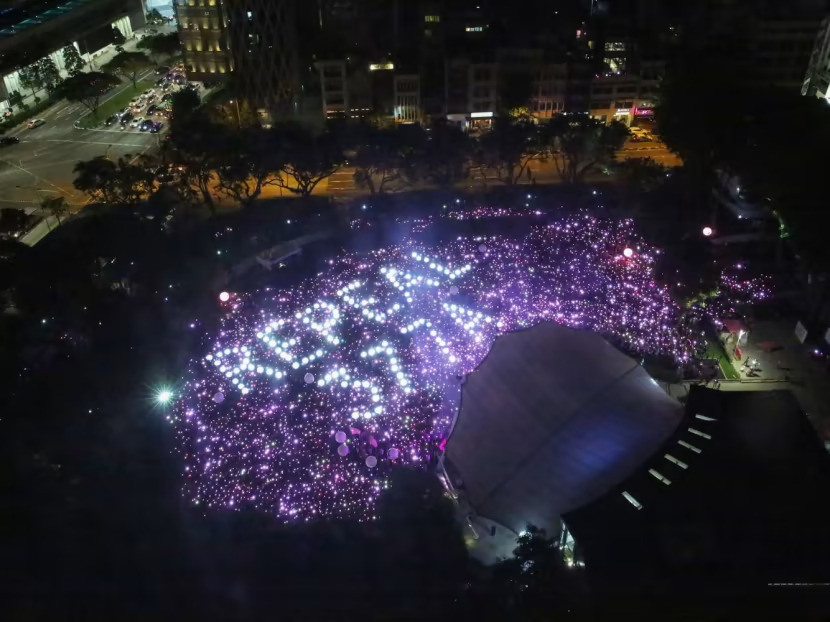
(309, 378)
(628, 252)
(224, 297)
(707, 231)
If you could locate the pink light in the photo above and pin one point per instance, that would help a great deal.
(224, 297)
(628, 252)
(707, 231)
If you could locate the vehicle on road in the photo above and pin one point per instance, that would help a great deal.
(639, 133)
(146, 124)
(111, 119)
(126, 118)
(160, 82)
(35, 123)
(152, 108)
(9, 140)
(137, 121)
(157, 126)
(161, 70)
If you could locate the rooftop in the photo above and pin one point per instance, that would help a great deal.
(20, 18)
(731, 512)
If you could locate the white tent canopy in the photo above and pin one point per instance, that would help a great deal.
(552, 419)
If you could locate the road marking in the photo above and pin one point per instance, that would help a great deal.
(86, 142)
(37, 177)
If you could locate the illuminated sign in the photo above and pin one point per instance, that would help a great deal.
(379, 66)
(481, 115)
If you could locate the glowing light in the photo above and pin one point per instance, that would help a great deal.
(164, 396)
(224, 297)
(308, 386)
(707, 231)
(628, 252)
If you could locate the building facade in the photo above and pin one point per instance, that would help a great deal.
(34, 30)
(252, 42)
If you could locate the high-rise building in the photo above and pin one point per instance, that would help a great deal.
(252, 42)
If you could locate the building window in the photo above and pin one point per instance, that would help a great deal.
(432, 19)
(474, 28)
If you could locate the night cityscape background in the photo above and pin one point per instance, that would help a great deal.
(406, 310)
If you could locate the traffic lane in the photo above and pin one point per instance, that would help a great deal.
(33, 167)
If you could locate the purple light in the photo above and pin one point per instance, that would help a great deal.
(371, 345)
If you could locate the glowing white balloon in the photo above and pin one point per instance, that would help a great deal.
(371, 462)
(309, 378)
(343, 450)
(224, 296)
(394, 453)
(340, 436)
(219, 397)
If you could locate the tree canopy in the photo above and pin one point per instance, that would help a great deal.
(87, 88)
(129, 65)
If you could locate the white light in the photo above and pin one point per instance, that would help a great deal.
(707, 231)
(164, 396)
(628, 252)
(224, 297)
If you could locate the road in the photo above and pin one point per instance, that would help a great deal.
(41, 164)
(342, 184)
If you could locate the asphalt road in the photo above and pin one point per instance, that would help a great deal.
(41, 164)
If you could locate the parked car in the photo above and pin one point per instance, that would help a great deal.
(151, 109)
(157, 126)
(111, 119)
(126, 118)
(136, 122)
(35, 123)
(9, 140)
(146, 124)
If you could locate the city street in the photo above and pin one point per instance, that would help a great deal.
(41, 164)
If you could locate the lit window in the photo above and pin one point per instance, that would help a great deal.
(474, 28)
(432, 18)
(250, 15)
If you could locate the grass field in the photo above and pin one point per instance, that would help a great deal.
(714, 350)
(114, 104)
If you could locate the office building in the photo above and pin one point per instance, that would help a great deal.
(30, 31)
(251, 44)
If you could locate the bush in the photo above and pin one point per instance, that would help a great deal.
(28, 112)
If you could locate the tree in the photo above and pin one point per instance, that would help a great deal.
(443, 157)
(153, 16)
(381, 156)
(118, 36)
(15, 98)
(185, 104)
(639, 176)
(129, 65)
(56, 206)
(309, 159)
(30, 78)
(252, 159)
(162, 45)
(72, 60)
(581, 143)
(49, 73)
(116, 183)
(508, 149)
(87, 88)
(515, 87)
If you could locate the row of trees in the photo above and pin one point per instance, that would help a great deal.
(239, 163)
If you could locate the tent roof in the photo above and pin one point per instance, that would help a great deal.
(552, 419)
